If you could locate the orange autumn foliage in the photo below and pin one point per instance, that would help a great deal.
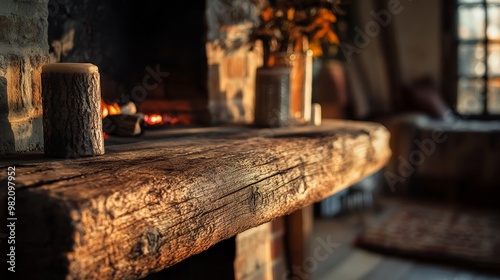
(286, 28)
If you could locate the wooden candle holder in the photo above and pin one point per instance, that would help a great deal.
(72, 117)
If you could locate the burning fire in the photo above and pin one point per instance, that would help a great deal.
(151, 120)
(108, 110)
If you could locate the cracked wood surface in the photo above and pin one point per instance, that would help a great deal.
(145, 206)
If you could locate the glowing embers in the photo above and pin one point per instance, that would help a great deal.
(160, 120)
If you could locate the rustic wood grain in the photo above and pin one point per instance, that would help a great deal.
(72, 120)
(145, 206)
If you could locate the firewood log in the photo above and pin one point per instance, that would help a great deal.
(122, 125)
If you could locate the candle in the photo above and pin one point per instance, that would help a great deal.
(272, 97)
(72, 117)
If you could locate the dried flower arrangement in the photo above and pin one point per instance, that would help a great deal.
(291, 25)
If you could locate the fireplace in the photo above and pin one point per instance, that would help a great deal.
(184, 63)
(151, 53)
(175, 59)
(178, 63)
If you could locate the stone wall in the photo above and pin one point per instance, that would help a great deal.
(124, 38)
(23, 50)
(232, 59)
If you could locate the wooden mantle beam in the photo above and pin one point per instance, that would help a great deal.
(145, 206)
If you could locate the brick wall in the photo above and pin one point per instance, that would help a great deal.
(253, 254)
(260, 252)
(23, 49)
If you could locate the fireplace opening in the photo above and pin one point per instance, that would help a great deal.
(150, 54)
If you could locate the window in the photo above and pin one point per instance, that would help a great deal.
(478, 51)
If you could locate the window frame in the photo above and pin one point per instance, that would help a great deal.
(451, 43)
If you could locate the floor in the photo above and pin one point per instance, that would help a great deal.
(345, 262)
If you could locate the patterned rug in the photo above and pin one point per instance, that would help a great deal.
(469, 237)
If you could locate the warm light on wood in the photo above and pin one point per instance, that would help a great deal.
(70, 68)
(148, 205)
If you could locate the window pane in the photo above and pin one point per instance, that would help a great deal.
(471, 22)
(471, 60)
(494, 59)
(470, 96)
(494, 96)
(494, 22)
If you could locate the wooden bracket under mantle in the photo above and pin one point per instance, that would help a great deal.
(148, 205)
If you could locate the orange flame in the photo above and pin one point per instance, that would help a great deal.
(114, 109)
(108, 110)
(104, 109)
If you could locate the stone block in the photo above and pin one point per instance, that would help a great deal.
(236, 66)
(22, 31)
(20, 103)
(23, 50)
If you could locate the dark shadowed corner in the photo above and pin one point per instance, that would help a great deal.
(7, 142)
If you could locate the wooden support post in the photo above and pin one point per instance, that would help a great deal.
(299, 227)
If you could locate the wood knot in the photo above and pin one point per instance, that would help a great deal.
(147, 245)
(254, 199)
